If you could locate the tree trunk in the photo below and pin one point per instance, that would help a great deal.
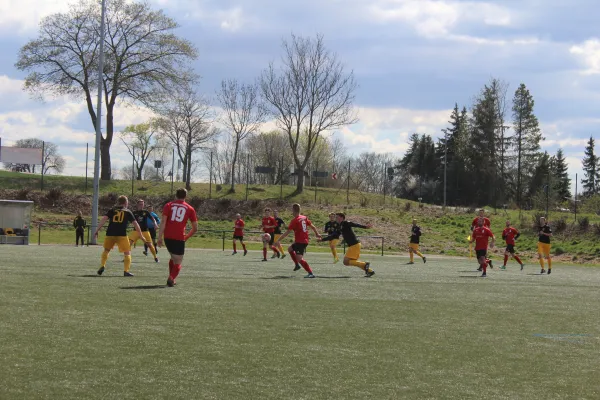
(300, 181)
(105, 160)
(189, 171)
(235, 152)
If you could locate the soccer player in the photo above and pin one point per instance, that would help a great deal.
(332, 229)
(116, 234)
(545, 233)
(480, 236)
(238, 234)
(141, 216)
(278, 232)
(268, 226)
(79, 225)
(152, 226)
(488, 224)
(299, 225)
(413, 246)
(510, 234)
(175, 216)
(353, 251)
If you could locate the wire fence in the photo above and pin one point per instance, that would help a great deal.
(60, 233)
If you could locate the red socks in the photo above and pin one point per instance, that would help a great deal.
(174, 270)
(484, 266)
(306, 266)
(244, 246)
(275, 249)
(505, 259)
(234, 247)
(293, 255)
(518, 259)
(264, 253)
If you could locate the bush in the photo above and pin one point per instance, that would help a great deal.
(584, 224)
(560, 225)
(54, 194)
(219, 187)
(558, 251)
(195, 202)
(597, 229)
(364, 202)
(22, 194)
(407, 206)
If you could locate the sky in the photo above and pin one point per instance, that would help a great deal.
(412, 59)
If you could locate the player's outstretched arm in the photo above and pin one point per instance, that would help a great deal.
(192, 231)
(102, 222)
(314, 229)
(283, 236)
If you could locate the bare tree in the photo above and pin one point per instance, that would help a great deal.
(242, 114)
(310, 94)
(143, 58)
(139, 142)
(186, 121)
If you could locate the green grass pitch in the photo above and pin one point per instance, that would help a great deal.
(238, 328)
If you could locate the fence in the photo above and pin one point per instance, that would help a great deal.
(223, 235)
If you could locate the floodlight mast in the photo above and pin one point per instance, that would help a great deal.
(95, 198)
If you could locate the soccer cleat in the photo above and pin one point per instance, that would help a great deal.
(155, 259)
(503, 267)
(424, 260)
(543, 271)
(278, 255)
(479, 269)
(127, 274)
(309, 276)
(297, 267)
(264, 259)
(234, 253)
(410, 263)
(490, 264)
(522, 265)
(336, 260)
(145, 252)
(549, 271)
(283, 256)
(484, 275)
(273, 256)
(170, 282)
(369, 273)
(245, 252)
(101, 270)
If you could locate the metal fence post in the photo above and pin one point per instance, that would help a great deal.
(382, 240)
(88, 236)
(39, 234)
(223, 240)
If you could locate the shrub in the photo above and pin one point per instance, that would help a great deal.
(219, 187)
(597, 229)
(584, 224)
(195, 202)
(560, 225)
(54, 194)
(22, 194)
(407, 206)
(364, 201)
(558, 251)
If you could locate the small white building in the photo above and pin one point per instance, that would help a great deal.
(15, 220)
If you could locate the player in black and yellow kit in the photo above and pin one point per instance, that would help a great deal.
(277, 233)
(116, 234)
(353, 250)
(545, 233)
(413, 246)
(142, 216)
(332, 229)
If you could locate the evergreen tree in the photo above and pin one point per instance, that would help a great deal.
(526, 140)
(591, 170)
(560, 176)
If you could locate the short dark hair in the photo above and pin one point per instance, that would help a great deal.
(341, 215)
(181, 193)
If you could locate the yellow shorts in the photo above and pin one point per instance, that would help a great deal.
(544, 248)
(414, 246)
(134, 236)
(122, 243)
(353, 252)
(333, 242)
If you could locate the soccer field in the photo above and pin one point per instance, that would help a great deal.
(238, 328)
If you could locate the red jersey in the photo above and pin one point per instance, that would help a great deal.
(481, 234)
(509, 235)
(176, 215)
(300, 226)
(269, 221)
(486, 222)
(239, 227)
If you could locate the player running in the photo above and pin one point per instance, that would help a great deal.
(353, 251)
(486, 223)
(142, 216)
(116, 234)
(545, 233)
(510, 234)
(268, 226)
(299, 225)
(332, 229)
(413, 246)
(277, 233)
(480, 236)
(175, 216)
(238, 234)
(152, 226)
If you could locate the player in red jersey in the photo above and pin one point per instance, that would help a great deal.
(238, 233)
(486, 223)
(299, 225)
(480, 236)
(510, 234)
(268, 226)
(172, 228)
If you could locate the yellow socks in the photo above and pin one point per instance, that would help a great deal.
(549, 263)
(542, 262)
(358, 264)
(419, 254)
(127, 263)
(103, 258)
(152, 249)
(334, 252)
(411, 256)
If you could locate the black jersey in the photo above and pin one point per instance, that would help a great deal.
(79, 223)
(347, 233)
(142, 216)
(280, 223)
(332, 228)
(543, 238)
(118, 219)
(415, 234)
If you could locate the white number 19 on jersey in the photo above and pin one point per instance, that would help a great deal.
(178, 213)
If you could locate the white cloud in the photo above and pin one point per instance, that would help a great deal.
(23, 16)
(588, 54)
